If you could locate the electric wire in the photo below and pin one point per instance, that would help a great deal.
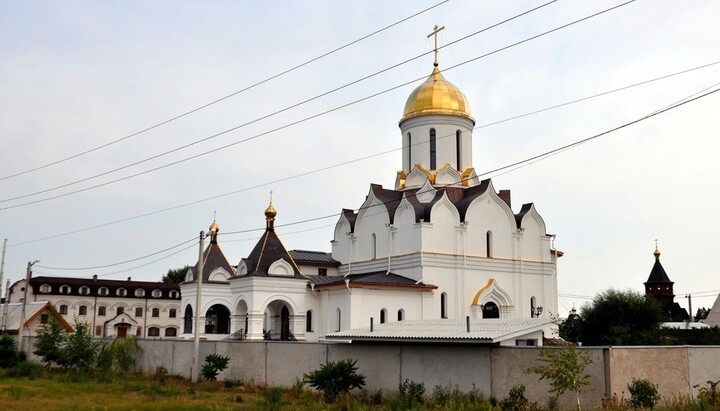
(225, 97)
(288, 178)
(385, 203)
(287, 125)
(117, 263)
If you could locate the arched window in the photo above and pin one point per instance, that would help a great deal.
(45, 288)
(119, 310)
(84, 290)
(383, 316)
(373, 245)
(490, 310)
(339, 320)
(532, 306)
(401, 315)
(188, 323)
(138, 312)
(174, 294)
(82, 310)
(121, 292)
(458, 148)
(488, 244)
(65, 289)
(308, 321)
(156, 312)
(156, 293)
(101, 311)
(103, 291)
(139, 292)
(443, 305)
(171, 332)
(410, 164)
(63, 309)
(153, 332)
(433, 150)
(172, 313)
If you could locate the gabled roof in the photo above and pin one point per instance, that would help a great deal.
(374, 279)
(307, 257)
(32, 311)
(266, 252)
(657, 274)
(461, 197)
(213, 258)
(488, 331)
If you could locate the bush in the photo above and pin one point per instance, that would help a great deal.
(643, 393)
(8, 351)
(515, 400)
(411, 393)
(49, 342)
(335, 378)
(119, 356)
(214, 363)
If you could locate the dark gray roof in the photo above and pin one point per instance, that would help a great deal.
(380, 278)
(213, 258)
(461, 197)
(313, 258)
(267, 251)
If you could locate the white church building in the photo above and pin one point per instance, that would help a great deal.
(441, 257)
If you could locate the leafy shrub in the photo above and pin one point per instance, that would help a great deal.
(335, 378)
(515, 400)
(233, 382)
(214, 363)
(49, 342)
(119, 356)
(25, 369)
(412, 392)
(441, 394)
(273, 399)
(8, 351)
(643, 393)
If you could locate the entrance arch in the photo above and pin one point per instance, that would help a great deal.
(279, 321)
(217, 320)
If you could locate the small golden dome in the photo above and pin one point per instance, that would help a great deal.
(270, 212)
(214, 226)
(437, 96)
(657, 253)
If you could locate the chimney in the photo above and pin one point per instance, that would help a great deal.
(94, 278)
(129, 278)
(505, 196)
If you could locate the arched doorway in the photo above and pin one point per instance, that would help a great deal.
(188, 320)
(217, 320)
(490, 310)
(277, 326)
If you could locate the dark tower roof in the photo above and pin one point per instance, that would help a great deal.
(657, 274)
(269, 250)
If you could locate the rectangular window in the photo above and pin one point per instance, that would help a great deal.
(98, 330)
(43, 318)
(322, 271)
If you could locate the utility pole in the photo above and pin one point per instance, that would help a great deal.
(689, 297)
(198, 302)
(21, 326)
(7, 300)
(2, 266)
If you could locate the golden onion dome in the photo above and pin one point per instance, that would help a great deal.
(270, 212)
(214, 226)
(437, 96)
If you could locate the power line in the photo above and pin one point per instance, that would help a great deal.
(287, 125)
(118, 263)
(544, 155)
(537, 158)
(225, 97)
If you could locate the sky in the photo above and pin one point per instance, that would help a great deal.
(76, 76)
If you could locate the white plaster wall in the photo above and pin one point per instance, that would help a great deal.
(445, 128)
(488, 212)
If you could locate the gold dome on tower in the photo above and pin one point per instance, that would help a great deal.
(437, 96)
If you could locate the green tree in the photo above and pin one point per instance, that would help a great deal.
(701, 314)
(50, 341)
(8, 351)
(118, 356)
(616, 317)
(570, 328)
(335, 378)
(79, 350)
(565, 369)
(176, 275)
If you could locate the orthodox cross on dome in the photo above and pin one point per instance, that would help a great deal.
(435, 32)
(271, 193)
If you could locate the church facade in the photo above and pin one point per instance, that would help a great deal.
(441, 250)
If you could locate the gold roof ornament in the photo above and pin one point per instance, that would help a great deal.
(214, 228)
(270, 214)
(436, 95)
